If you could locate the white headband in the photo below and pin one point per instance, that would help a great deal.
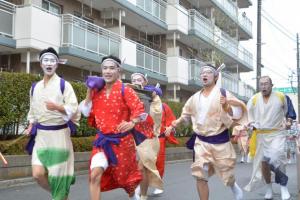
(216, 73)
(140, 74)
(112, 60)
(59, 61)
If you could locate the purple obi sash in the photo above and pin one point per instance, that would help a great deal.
(105, 141)
(36, 126)
(215, 139)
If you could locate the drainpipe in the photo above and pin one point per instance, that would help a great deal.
(174, 93)
(120, 21)
(28, 61)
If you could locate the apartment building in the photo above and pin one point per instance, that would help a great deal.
(169, 40)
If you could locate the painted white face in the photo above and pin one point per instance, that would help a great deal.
(207, 77)
(49, 64)
(138, 80)
(110, 71)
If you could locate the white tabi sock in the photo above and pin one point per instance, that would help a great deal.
(143, 197)
(269, 191)
(285, 195)
(138, 190)
(237, 191)
(157, 191)
(242, 159)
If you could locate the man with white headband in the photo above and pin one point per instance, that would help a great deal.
(53, 105)
(114, 110)
(149, 148)
(212, 111)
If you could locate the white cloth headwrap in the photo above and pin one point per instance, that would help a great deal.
(112, 60)
(59, 61)
(216, 73)
(142, 75)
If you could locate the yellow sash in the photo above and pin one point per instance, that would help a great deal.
(253, 141)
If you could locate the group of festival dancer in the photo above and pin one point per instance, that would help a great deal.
(129, 147)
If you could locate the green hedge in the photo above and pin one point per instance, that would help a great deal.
(80, 144)
(14, 101)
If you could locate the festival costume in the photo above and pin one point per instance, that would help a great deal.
(148, 150)
(269, 137)
(167, 118)
(107, 112)
(50, 136)
(213, 151)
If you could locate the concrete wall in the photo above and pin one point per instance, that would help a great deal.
(20, 165)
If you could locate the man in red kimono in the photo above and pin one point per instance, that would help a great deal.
(166, 135)
(114, 110)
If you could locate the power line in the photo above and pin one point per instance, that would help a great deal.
(279, 29)
(280, 25)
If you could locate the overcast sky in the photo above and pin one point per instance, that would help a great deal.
(278, 50)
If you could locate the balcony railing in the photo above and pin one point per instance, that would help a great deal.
(245, 23)
(227, 7)
(218, 38)
(7, 11)
(156, 8)
(201, 24)
(89, 37)
(232, 10)
(150, 59)
(79, 33)
(236, 86)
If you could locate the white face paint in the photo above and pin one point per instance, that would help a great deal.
(138, 80)
(207, 77)
(49, 64)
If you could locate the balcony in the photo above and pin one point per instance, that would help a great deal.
(231, 10)
(245, 23)
(88, 37)
(237, 87)
(82, 39)
(146, 15)
(151, 60)
(213, 37)
(7, 12)
(201, 26)
(156, 8)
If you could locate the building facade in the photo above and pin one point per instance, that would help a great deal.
(169, 40)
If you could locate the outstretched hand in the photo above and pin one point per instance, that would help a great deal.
(168, 130)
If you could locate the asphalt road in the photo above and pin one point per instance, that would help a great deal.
(179, 185)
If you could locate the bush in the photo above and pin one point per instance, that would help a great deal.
(14, 100)
(80, 144)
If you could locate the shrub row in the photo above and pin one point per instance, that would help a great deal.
(14, 101)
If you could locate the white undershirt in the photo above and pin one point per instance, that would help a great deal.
(204, 106)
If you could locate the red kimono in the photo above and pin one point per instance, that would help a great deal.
(167, 118)
(106, 114)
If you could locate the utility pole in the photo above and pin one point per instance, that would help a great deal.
(258, 50)
(298, 76)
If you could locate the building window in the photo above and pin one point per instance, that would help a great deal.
(79, 15)
(51, 7)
